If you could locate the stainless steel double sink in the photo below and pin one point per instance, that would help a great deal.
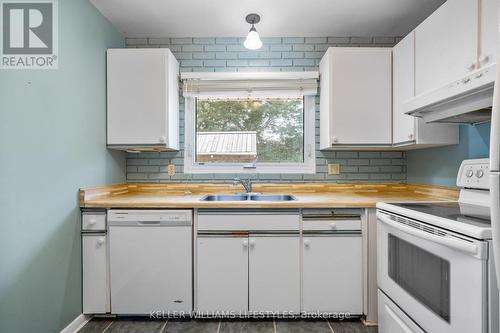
(248, 197)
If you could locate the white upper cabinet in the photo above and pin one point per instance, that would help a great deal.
(355, 98)
(143, 99)
(455, 56)
(446, 45)
(408, 130)
(488, 45)
(403, 75)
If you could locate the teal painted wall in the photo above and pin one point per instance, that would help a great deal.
(439, 166)
(52, 141)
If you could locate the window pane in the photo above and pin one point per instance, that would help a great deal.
(248, 130)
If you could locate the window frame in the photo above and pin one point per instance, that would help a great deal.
(307, 166)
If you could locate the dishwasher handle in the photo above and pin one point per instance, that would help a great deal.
(156, 223)
(149, 222)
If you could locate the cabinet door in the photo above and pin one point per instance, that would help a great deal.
(222, 274)
(274, 274)
(489, 46)
(332, 274)
(403, 125)
(361, 96)
(95, 277)
(137, 96)
(446, 45)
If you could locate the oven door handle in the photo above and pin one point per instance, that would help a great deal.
(456, 244)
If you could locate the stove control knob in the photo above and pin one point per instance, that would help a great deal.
(479, 173)
(469, 173)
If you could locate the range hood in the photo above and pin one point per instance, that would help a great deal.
(465, 101)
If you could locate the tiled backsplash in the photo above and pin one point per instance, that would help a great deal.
(277, 54)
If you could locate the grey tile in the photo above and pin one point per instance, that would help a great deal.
(246, 326)
(136, 325)
(352, 327)
(191, 326)
(302, 326)
(96, 325)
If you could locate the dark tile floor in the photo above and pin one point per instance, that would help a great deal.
(139, 325)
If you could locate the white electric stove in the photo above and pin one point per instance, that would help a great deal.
(434, 261)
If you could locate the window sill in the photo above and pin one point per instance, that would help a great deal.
(284, 168)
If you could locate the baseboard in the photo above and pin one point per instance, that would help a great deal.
(369, 322)
(76, 324)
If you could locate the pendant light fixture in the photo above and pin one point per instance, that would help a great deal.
(253, 41)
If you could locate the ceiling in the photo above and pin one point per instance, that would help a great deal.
(279, 18)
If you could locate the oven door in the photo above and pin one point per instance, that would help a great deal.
(438, 278)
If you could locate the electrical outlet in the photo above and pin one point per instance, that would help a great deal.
(171, 170)
(334, 169)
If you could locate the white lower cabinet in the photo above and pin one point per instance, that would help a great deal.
(95, 274)
(249, 269)
(274, 273)
(222, 274)
(332, 274)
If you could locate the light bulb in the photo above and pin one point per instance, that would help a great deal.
(253, 42)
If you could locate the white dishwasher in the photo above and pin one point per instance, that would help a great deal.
(150, 261)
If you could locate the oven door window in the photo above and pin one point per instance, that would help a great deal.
(425, 276)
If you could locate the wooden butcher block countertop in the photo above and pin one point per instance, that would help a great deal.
(308, 195)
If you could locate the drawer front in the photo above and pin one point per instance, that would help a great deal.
(332, 224)
(94, 222)
(248, 221)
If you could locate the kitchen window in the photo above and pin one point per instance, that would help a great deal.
(249, 126)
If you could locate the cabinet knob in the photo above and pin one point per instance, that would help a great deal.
(101, 241)
(333, 225)
(483, 59)
(471, 66)
(307, 242)
(92, 221)
(252, 243)
(162, 139)
(335, 139)
(410, 136)
(245, 243)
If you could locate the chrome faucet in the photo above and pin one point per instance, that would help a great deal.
(247, 184)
